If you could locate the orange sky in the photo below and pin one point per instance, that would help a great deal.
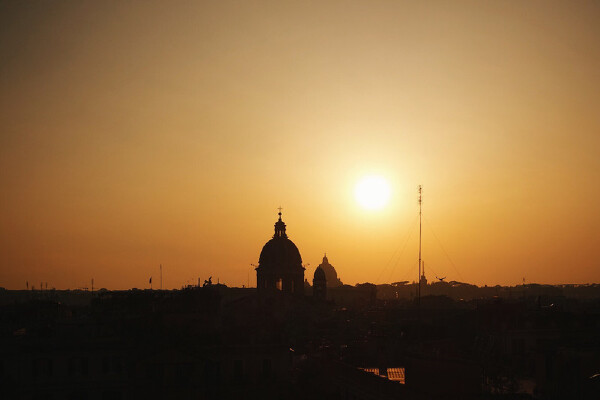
(140, 133)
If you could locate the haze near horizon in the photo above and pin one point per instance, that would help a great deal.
(145, 133)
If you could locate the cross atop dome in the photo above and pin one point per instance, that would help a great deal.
(280, 226)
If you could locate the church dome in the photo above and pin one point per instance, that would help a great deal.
(330, 273)
(280, 252)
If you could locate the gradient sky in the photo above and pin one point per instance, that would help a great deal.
(139, 133)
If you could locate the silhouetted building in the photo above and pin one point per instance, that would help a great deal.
(319, 284)
(280, 266)
(330, 273)
(423, 281)
(360, 295)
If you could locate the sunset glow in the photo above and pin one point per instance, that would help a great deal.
(372, 192)
(135, 134)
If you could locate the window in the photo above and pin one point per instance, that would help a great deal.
(43, 396)
(84, 366)
(111, 395)
(78, 366)
(117, 365)
(42, 368)
(266, 368)
(77, 396)
(71, 367)
(238, 370)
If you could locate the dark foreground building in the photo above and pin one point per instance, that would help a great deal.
(216, 342)
(274, 342)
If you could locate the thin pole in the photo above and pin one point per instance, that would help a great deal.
(420, 231)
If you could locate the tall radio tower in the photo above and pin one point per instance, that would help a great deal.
(420, 189)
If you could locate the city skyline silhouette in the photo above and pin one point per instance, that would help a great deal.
(328, 200)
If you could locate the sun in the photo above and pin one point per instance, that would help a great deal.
(372, 192)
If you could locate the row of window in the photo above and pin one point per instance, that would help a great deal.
(279, 285)
(45, 367)
(80, 395)
(76, 366)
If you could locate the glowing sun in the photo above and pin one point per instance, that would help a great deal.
(372, 192)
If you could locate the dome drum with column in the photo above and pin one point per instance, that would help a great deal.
(280, 265)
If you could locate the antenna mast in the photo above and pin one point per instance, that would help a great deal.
(420, 189)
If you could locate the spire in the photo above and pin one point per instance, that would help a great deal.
(280, 226)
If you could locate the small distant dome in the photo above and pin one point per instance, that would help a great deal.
(319, 275)
(330, 273)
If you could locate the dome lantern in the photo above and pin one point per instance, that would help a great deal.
(280, 227)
